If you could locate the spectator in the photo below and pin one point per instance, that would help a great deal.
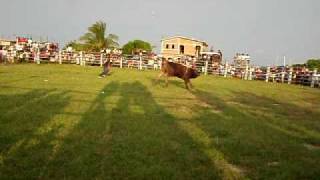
(106, 69)
(0, 54)
(4, 55)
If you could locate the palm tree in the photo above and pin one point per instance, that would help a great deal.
(95, 39)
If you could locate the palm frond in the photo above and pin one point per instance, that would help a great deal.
(113, 37)
(95, 39)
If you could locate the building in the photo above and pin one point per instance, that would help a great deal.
(4, 43)
(241, 60)
(214, 57)
(179, 46)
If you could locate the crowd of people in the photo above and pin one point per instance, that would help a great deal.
(24, 49)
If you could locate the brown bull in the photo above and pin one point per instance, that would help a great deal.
(178, 70)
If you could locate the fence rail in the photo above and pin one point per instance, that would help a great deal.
(287, 75)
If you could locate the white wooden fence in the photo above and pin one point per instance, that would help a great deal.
(286, 75)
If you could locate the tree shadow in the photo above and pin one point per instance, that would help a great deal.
(147, 141)
(81, 151)
(132, 139)
(264, 147)
(20, 118)
(126, 134)
(300, 123)
(14, 81)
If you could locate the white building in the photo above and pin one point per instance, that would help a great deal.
(241, 60)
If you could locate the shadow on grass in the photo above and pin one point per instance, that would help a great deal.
(20, 117)
(28, 78)
(172, 81)
(82, 150)
(264, 144)
(284, 112)
(127, 135)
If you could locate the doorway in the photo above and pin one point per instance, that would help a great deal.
(181, 49)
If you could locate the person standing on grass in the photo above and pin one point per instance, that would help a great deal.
(0, 54)
(106, 68)
(4, 55)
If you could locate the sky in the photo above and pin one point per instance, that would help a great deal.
(266, 29)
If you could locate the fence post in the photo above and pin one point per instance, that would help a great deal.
(282, 76)
(78, 59)
(60, 58)
(313, 78)
(246, 72)
(225, 70)
(38, 56)
(34, 57)
(290, 75)
(81, 58)
(206, 67)
(267, 74)
(250, 74)
(140, 62)
(101, 59)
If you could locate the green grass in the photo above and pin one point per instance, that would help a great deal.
(61, 121)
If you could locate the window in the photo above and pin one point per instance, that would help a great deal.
(181, 49)
(172, 46)
(198, 50)
(167, 46)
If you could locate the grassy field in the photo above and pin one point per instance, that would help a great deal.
(61, 121)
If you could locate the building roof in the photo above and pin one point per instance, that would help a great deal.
(183, 37)
(7, 40)
(210, 53)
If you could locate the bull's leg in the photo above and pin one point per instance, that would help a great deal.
(167, 80)
(190, 84)
(160, 75)
(186, 82)
(158, 78)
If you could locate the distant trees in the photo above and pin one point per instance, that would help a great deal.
(95, 39)
(136, 46)
(313, 63)
(310, 64)
(77, 46)
(298, 65)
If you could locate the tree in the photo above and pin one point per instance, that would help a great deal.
(75, 45)
(313, 63)
(298, 65)
(135, 46)
(95, 39)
